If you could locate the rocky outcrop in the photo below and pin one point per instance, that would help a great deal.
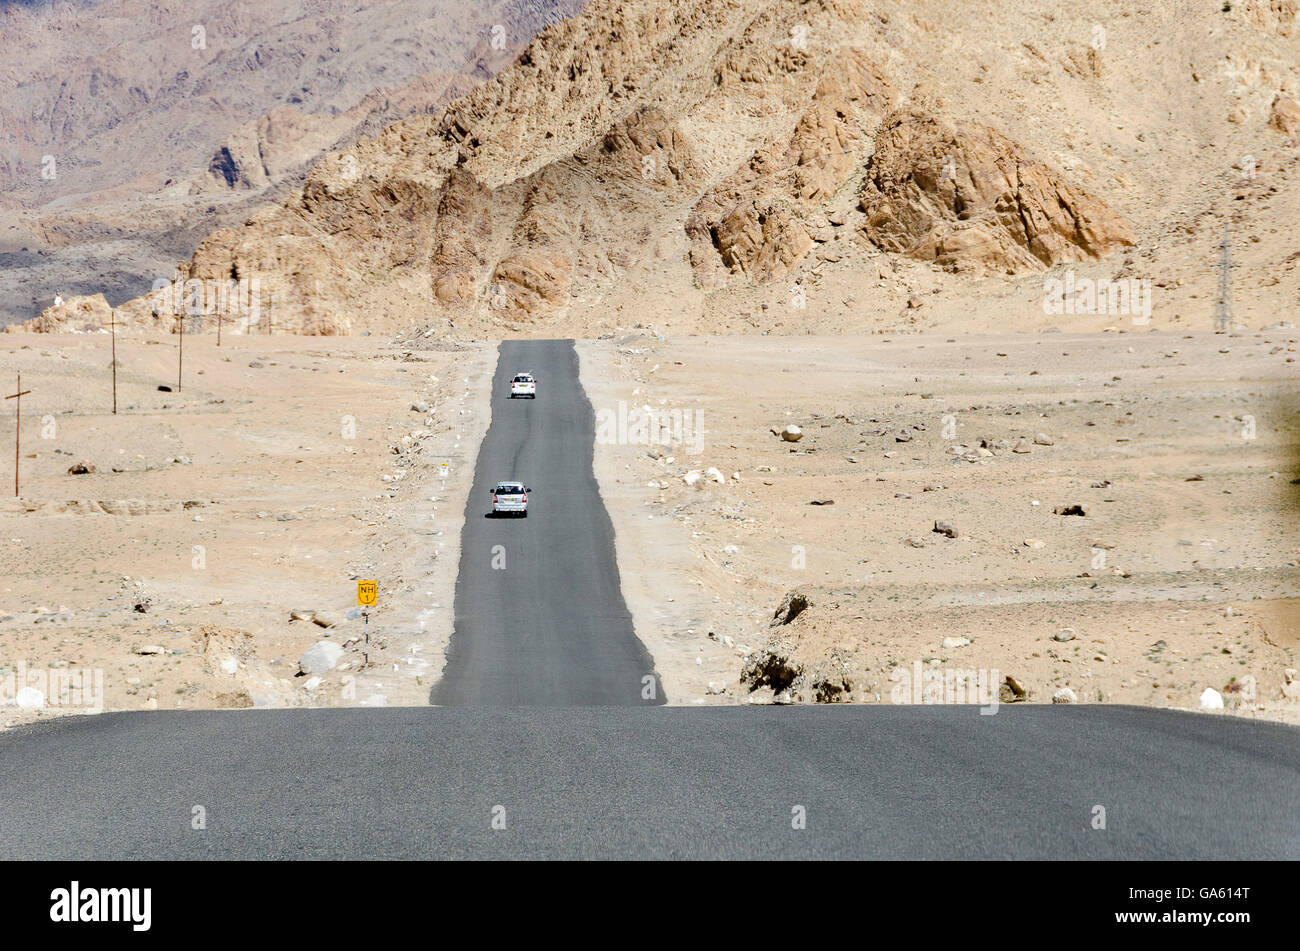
(1285, 115)
(755, 224)
(74, 315)
(968, 198)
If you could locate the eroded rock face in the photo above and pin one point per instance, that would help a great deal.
(1285, 115)
(966, 197)
(75, 314)
(755, 224)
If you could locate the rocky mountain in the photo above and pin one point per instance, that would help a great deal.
(778, 165)
(123, 144)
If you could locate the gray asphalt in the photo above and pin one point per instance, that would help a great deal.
(594, 782)
(551, 627)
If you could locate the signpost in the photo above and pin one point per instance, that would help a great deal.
(367, 597)
(18, 422)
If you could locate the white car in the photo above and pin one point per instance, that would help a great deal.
(523, 385)
(510, 498)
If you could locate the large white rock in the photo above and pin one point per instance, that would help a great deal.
(792, 434)
(29, 698)
(320, 658)
(1211, 699)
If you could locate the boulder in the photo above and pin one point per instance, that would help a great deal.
(320, 658)
(1285, 115)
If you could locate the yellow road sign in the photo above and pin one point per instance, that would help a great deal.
(367, 593)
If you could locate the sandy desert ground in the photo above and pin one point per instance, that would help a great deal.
(289, 467)
(1182, 574)
(285, 469)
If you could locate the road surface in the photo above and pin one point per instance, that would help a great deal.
(723, 782)
(540, 616)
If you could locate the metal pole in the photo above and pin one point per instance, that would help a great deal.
(180, 355)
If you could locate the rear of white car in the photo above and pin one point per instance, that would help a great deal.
(523, 386)
(510, 498)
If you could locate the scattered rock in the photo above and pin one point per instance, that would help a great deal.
(945, 528)
(1211, 699)
(320, 658)
(952, 642)
(1069, 510)
(1042, 439)
(792, 434)
(794, 604)
(1035, 543)
(149, 650)
(1065, 634)
(769, 669)
(81, 468)
(1064, 695)
(1012, 691)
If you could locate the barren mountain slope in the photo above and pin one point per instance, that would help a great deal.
(712, 165)
(119, 153)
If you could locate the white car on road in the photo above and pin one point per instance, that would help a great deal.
(510, 498)
(523, 385)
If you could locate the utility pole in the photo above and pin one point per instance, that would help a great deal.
(1223, 319)
(18, 423)
(112, 326)
(180, 351)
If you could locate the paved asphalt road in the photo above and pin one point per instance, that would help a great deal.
(541, 714)
(551, 627)
(876, 782)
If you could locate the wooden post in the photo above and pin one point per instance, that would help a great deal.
(180, 353)
(18, 423)
(112, 326)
